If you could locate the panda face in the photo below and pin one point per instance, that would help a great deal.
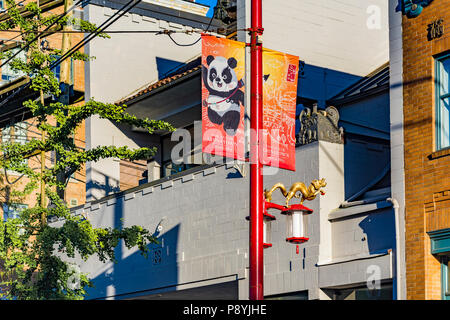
(221, 76)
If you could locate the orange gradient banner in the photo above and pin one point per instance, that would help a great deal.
(223, 88)
(223, 91)
(280, 72)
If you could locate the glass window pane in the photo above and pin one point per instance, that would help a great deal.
(21, 133)
(448, 277)
(444, 123)
(444, 77)
(7, 72)
(6, 137)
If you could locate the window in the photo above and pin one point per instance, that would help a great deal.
(16, 133)
(299, 295)
(440, 247)
(12, 211)
(362, 293)
(57, 70)
(445, 279)
(9, 74)
(443, 102)
(168, 167)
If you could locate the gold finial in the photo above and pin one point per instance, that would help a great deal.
(308, 193)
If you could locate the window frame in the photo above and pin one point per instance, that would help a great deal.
(445, 290)
(7, 74)
(22, 139)
(176, 168)
(438, 65)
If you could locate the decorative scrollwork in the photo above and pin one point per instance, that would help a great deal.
(319, 125)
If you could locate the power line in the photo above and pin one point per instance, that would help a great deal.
(193, 43)
(40, 33)
(122, 31)
(15, 5)
(88, 38)
(97, 31)
(6, 10)
(85, 40)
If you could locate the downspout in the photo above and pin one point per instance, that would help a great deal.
(398, 266)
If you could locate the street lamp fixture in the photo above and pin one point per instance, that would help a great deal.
(296, 226)
(296, 214)
(267, 229)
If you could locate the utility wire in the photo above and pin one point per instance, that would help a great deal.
(65, 56)
(15, 5)
(88, 38)
(121, 31)
(117, 15)
(6, 10)
(193, 43)
(40, 33)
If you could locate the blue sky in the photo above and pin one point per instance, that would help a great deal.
(210, 3)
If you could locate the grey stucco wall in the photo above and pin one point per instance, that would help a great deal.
(124, 64)
(363, 234)
(204, 236)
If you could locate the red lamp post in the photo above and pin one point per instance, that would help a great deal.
(256, 290)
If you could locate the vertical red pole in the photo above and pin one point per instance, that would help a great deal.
(256, 179)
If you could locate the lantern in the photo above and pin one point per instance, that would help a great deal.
(296, 226)
(267, 229)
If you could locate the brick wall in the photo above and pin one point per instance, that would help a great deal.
(131, 172)
(427, 174)
(76, 188)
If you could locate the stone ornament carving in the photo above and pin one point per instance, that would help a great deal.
(319, 125)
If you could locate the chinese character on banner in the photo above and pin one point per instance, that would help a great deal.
(279, 103)
(223, 71)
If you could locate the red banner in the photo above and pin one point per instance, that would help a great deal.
(223, 71)
(279, 103)
(223, 88)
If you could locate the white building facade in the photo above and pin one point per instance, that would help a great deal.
(198, 213)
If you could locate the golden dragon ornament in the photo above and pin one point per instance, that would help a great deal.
(307, 193)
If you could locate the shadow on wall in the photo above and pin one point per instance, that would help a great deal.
(379, 230)
(133, 275)
(106, 188)
(166, 66)
(364, 160)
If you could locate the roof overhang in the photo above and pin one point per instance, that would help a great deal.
(177, 101)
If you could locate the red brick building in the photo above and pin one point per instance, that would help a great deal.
(426, 122)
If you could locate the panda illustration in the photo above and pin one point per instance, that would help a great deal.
(225, 94)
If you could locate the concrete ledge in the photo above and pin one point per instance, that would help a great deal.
(111, 201)
(355, 272)
(129, 196)
(147, 190)
(209, 171)
(187, 178)
(167, 184)
(351, 211)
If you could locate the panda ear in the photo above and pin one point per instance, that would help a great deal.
(232, 62)
(209, 59)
